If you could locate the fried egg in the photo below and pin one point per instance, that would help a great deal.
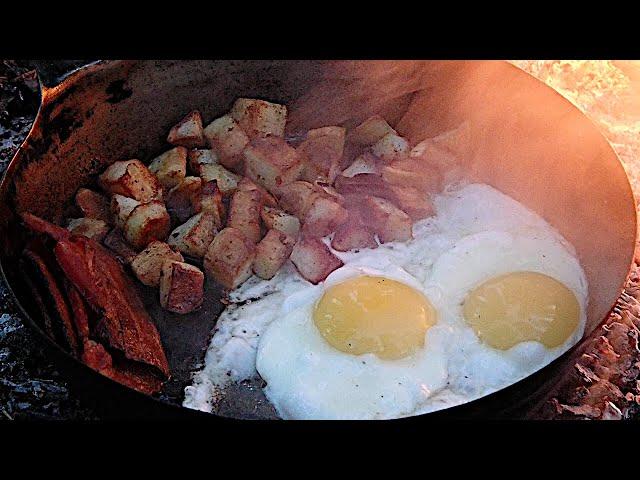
(485, 294)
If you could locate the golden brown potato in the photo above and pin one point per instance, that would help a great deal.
(271, 253)
(323, 217)
(147, 265)
(147, 222)
(211, 201)
(170, 167)
(94, 205)
(365, 163)
(194, 236)
(115, 242)
(89, 227)
(244, 213)
(272, 163)
(410, 172)
(259, 118)
(276, 219)
(198, 157)
(131, 178)
(121, 208)
(353, 235)
(412, 201)
(370, 131)
(267, 199)
(297, 197)
(313, 259)
(228, 140)
(188, 132)
(181, 287)
(322, 150)
(391, 147)
(227, 181)
(230, 257)
(385, 219)
(183, 200)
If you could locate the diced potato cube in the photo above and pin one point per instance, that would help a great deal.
(121, 207)
(89, 227)
(391, 147)
(147, 265)
(147, 222)
(200, 157)
(267, 199)
(389, 222)
(188, 132)
(409, 172)
(227, 181)
(322, 150)
(276, 219)
(211, 202)
(271, 253)
(228, 140)
(365, 163)
(170, 167)
(181, 287)
(323, 217)
(244, 213)
(437, 154)
(313, 259)
(297, 197)
(229, 258)
(115, 242)
(94, 205)
(194, 236)
(370, 131)
(259, 118)
(363, 184)
(183, 200)
(272, 163)
(353, 235)
(131, 178)
(412, 201)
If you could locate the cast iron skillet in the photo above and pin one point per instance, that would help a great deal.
(520, 136)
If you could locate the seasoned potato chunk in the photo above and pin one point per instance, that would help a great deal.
(412, 201)
(121, 207)
(147, 265)
(147, 222)
(188, 132)
(389, 222)
(276, 219)
(271, 253)
(183, 200)
(94, 205)
(229, 258)
(211, 201)
(365, 163)
(228, 140)
(131, 178)
(313, 259)
(259, 118)
(89, 227)
(170, 167)
(323, 217)
(227, 181)
(391, 147)
(297, 197)
(200, 157)
(322, 150)
(272, 163)
(194, 236)
(410, 172)
(244, 213)
(370, 131)
(266, 198)
(353, 235)
(181, 287)
(115, 242)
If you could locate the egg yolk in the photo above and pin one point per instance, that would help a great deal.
(522, 306)
(374, 315)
